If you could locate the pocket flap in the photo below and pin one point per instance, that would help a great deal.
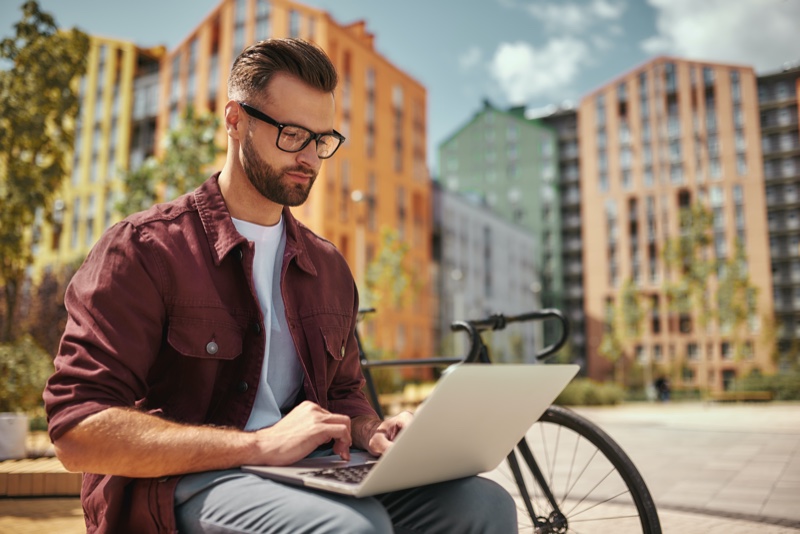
(201, 338)
(335, 340)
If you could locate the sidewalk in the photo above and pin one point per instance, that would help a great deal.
(711, 468)
(737, 461)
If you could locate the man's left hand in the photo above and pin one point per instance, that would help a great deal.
(386, 432)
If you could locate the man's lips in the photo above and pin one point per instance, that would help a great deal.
(300, 177)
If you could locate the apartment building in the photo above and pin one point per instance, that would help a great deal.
(661, 137)
(378, 179)
(485, 265)
(564, 120)
(115, 129)
(777, 97)
(511, 162)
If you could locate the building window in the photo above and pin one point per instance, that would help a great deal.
(708, 76)
(601, 110)
(741, 164)
(76, 213)
(294, 23)
(736, 89)
(738, 116)
(263, 8)
(603, 182)
(727, 353)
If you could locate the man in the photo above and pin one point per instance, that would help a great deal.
(215, 331)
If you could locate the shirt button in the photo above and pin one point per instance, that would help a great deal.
(241, 387)
(257, 328)
(239, 253)
(212, 348)
(342, 351)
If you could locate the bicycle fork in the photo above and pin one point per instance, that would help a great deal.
(556, 522)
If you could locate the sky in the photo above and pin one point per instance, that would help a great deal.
(512, 52)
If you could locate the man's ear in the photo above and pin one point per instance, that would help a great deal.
(234, 119)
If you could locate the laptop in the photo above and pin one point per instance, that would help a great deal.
(468, 425)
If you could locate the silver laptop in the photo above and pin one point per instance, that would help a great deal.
(468, 425)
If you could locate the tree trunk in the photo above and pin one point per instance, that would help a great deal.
(11, 290)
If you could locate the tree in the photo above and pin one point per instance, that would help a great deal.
(623, 327)
(38, 106)
(387, 278)
(687, 257)
(736, 298)
(189, 150)
(42, 311)
(730, 298)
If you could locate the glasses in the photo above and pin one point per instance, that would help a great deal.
(293, 138)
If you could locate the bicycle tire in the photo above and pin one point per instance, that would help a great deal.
(613, 494)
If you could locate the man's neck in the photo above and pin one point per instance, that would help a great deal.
(244, 201)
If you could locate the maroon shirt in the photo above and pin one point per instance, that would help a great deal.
(164, 317)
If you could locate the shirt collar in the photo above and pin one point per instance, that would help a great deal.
(223, 237)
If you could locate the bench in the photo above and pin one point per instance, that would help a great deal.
(37, 477)
(741, 396)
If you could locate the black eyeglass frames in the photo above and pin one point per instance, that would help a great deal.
(292, 138)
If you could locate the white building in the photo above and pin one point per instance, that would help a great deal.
(485, 266)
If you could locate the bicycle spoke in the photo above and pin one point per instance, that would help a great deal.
(598, 503)
(591, 490)
(609, 518)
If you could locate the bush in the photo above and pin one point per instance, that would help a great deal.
(24, 369)
(784, 387)
(586, 392)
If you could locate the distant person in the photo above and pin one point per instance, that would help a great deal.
(662, 388)
(216, 331)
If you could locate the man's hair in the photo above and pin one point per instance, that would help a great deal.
(257, 64)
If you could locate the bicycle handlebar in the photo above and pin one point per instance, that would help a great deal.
(499, 321)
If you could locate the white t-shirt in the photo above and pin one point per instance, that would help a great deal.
(281, 373)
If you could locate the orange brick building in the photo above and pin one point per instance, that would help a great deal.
(378, 179)
(661, 137)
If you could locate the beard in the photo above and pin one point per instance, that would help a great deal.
(271, 182)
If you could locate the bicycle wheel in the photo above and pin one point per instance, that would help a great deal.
(595, 484)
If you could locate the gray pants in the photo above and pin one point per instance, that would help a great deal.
(225, 502)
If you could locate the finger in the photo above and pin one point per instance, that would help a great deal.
(379, 443)
(342, 448)
(342, 440)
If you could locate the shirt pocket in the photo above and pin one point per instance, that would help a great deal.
(335, 340)
(205, 338)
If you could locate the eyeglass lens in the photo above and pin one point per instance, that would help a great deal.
(293, 139)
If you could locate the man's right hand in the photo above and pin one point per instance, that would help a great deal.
(301, 431)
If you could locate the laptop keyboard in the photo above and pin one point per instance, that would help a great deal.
(353, 474)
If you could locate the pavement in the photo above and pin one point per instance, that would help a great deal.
(713, 468)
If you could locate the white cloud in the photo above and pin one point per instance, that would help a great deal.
(761, 33)
(470, 59)
(575, 18)
(525, 72)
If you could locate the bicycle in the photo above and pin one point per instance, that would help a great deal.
(573, 477)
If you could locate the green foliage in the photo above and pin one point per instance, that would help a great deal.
(38, 106)
(736, 297)
(586, 392)
(784, 386)
(688, 259)
(387, 278)
(190, 150)
(691, 263)
(24, 369)
(42, 312)
(631, 311)
(387, 379)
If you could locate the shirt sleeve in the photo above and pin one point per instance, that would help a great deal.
(114, 328)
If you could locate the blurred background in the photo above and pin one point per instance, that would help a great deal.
(635, 164)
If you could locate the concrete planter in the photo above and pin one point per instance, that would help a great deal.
(13, 431)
